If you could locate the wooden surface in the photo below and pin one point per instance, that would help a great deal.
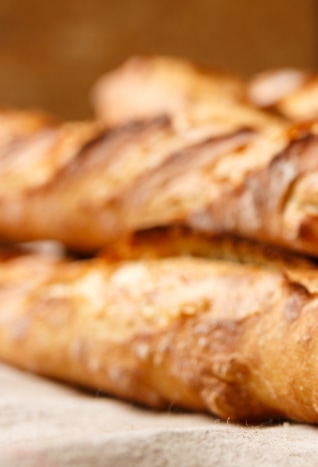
(50, 54)
(46, 424)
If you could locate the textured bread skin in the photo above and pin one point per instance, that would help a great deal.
(291, 93)
(235, 340)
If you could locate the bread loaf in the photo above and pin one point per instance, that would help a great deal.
(85, 185)
(225, 169)
(236, 340)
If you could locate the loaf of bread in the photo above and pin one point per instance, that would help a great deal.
(239, 341)
(86, 186)
(234, 172)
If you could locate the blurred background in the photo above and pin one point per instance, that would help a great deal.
(52, 52)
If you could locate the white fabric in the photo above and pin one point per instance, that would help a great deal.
(50, 424)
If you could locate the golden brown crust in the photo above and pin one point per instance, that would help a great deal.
(238, 341)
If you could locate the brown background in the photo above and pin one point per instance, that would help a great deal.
(52, 52)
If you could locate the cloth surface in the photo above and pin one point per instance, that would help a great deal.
(48, 424)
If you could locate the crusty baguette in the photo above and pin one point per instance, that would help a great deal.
(291, 93)
(85, 186)
(147, 86)
(235, 340)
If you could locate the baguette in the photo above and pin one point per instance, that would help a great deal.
(86, 186)
(235, 340)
